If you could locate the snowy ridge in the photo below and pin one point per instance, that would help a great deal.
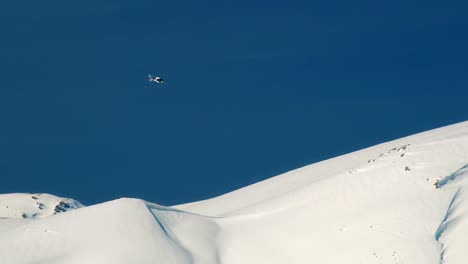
(371, 158)
(403, 201)
(18, 205)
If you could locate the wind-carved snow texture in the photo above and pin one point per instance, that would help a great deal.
(455, 218)
(377, 205)
(179, 233)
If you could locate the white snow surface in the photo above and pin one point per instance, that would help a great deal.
(404, 201)
(22, 205)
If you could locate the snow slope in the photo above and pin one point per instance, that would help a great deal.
(403, 201)
(18, 205)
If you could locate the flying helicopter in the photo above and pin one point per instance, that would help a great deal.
(155, 79)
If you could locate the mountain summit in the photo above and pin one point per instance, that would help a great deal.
(404, 201)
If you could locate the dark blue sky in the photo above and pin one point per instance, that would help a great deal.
(254, 89)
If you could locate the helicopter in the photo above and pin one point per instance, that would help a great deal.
(155, 79)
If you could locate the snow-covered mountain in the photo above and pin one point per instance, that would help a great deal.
(404, 201)
(21, 205)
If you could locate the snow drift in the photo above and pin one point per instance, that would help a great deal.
(403, 201)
